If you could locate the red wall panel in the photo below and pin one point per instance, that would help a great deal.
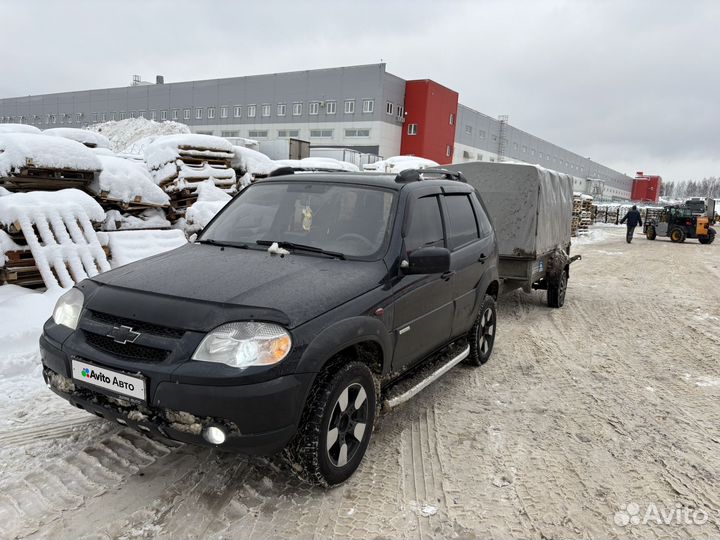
(646, 188)
(429, 106)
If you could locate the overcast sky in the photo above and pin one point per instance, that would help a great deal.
(632, 84)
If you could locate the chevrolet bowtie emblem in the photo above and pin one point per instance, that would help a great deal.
(123, 335)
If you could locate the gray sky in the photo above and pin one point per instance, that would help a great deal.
(631, 84)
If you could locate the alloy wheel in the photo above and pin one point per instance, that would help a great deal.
(348, 422)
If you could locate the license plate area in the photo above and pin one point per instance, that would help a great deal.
(110, 380)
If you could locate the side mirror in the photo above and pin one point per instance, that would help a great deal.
(427, 260)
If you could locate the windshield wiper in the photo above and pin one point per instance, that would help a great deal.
(240, 245)
(304, 247)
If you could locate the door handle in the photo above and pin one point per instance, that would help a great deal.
(447, 275)
(482, 258)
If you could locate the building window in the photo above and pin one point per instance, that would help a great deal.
(223, 112)
(313, 107)
(321, 133)
(532, 151)
(468, 130)
(288, 133)
(412, 129)
(524, 148)
(251, 111)
(163, 115)
(186, 114)
(238, 111)
(357, 132)
(258, 133)
(448, 150)
(78, 117)
(452, 119)
(368, 106)
(122, 115)
(230, 133)
(141, 114)
(281, 109)
(153, 115)
(94, 117)
(400, 112)
(204, 132)
(211, 112)
(175, 114)
(389, 108)
(297, 108)
(330, 107)
(198, 113)
(53, 119)
(265, 110)
(481, 133)
(349, 106)
(515, 146)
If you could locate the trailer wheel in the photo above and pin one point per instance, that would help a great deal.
(650, 233)
(481, 337)
(556, 291)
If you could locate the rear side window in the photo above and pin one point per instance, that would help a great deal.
(425, 225)
(483, 220)
(462, 226)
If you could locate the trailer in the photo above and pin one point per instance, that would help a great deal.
(531, 210)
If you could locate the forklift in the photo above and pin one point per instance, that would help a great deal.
(689, 220)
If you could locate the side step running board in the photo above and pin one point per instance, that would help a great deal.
(408, 388)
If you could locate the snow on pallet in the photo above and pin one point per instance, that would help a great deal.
(30, 162)
(58, 232)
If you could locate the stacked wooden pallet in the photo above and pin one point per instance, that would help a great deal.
(180, 163)
(582, 214)
(30, 178)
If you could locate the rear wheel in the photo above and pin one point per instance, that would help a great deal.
(650, 233)
(677, 235)
(481, 337)
(336, 426)
(556, 292)
(709, 239)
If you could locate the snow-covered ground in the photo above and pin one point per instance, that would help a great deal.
(579, 412)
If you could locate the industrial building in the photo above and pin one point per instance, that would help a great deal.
(364, 108)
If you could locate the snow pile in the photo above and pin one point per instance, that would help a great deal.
(68, 244)
(210, 201)
(123, 180)
(130, 246)
(17, 128)
(249, 161)
(398, 164)
(22, 315)
(317, 163)
(152, 218)
(125, 135)
(19, 150)
(179, 162)
(593, 236)
(91, 139)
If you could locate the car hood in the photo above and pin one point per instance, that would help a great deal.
(299, 285)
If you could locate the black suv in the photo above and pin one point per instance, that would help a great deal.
(306, 300)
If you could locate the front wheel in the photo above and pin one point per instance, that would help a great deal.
(650, 233)
(709, 239)
(481, 337)
(336, 426)
(556, 291)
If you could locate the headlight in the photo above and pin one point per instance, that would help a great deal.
(245, 344)
(68, 308)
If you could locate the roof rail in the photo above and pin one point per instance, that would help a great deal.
(282, 171)
(416, 175)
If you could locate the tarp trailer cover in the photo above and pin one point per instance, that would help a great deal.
(531, 210)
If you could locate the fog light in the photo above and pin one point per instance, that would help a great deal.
(214, 435)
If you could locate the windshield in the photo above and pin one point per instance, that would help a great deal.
(347, 219)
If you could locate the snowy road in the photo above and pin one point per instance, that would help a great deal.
(612, 400)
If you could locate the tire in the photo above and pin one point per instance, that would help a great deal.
(709, 239)
(556, 292)
(481, 337)
(677, 235)
(334, 419)
(650, 233)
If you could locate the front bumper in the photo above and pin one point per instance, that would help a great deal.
(259, 419)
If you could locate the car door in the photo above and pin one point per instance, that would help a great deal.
(423, 305)
(470, 247)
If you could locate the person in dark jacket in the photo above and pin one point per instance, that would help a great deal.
(633, 219)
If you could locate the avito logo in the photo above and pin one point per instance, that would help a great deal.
(98, 376)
